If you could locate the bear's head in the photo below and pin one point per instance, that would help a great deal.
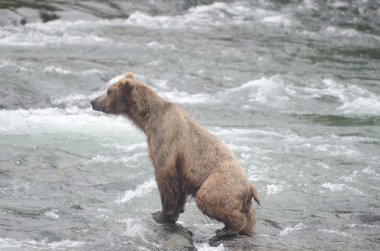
(130, 97)
(114, 100)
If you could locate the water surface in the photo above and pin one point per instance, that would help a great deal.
(291, 86)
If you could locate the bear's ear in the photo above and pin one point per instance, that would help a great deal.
(129, 75)
(127, 86)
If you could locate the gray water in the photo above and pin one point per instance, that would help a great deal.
(293, 87)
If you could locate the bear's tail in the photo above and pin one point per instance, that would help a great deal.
(255, 194)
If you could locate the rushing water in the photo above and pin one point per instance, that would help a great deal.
(293, 87)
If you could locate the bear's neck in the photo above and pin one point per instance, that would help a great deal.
(143, 113)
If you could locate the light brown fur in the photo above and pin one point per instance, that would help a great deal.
(187, 159)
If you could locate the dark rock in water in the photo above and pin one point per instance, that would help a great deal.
(23, 21)
(272, 223)
(47, 16)
(22, 12)
(170, 237)
(192, 3)
(370, 219)
(78, 207)
(359, 218)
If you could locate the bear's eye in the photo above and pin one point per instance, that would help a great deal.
(109, 92)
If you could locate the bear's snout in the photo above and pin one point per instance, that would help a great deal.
(96, 105)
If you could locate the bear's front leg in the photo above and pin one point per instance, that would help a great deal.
(171, 197)
(161, 217)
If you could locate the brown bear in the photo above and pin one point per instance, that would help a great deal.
(187, 159)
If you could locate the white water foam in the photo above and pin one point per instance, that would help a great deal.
(116, 79)
(362, 105)
(278, 20)
(242, 131)
(324, 165)
(329, 231)
(80, 100)
(274, 189)
(338, 32)
(353, 99)
(140, 190)
(7, 63)
(68, 32)
(182, 97)
(29, 244)
(336, 150)
(161, 87)
(63, 71)
(157, 45)
(291, 229)
(71, 100)
(265, 90)
(350, 177)
(240, 148)
(216, 14)
(274, 92)
(16, 36)
(341, 188)
(54, 120)
(280, 94)
(62, 26)
(103, 213)
(121, 160)
(52, 214)
(75, 100)
(213, 15)
(333, 187)
(26, 67)
(369, 171)
(134, 228)
(332, 145)
(127, 148)
(207, 247)
(345, 35)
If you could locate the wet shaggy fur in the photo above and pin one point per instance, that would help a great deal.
(187, 159)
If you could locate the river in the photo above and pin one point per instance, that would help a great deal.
(292, 87)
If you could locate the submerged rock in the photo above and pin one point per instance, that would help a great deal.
(366, 218)
(47, 16)
(170, 237)
(77, 207)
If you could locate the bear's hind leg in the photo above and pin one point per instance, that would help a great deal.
(234, 222)
(218, 203)
(251, 220)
